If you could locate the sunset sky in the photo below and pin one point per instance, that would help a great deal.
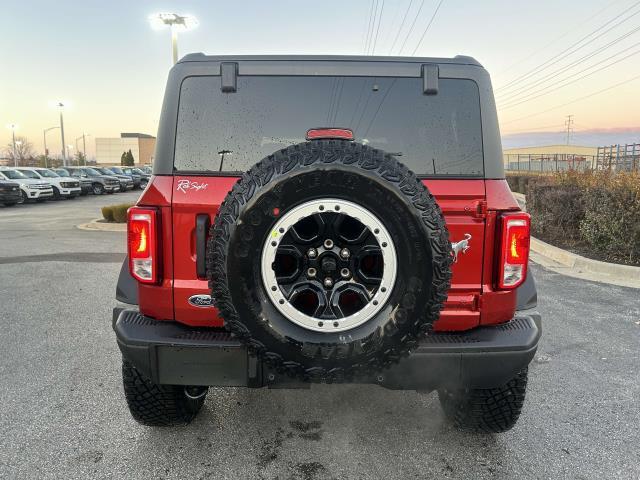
(104, 58)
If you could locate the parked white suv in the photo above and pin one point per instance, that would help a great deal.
(32, 189)
(66, 187)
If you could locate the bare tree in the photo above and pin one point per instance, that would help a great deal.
(23, 151)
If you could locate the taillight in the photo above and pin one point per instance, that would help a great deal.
(514, 249)
(142, 244)
(337, 133)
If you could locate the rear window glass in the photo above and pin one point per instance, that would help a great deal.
(229, 132)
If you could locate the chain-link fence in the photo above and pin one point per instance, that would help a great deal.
(543, 162)
(614, 157)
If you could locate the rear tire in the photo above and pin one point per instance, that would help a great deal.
(485, 410)
(159, 405)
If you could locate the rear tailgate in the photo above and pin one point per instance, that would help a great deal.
(193, 196)
(462, 202)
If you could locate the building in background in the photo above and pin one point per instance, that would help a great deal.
(110, 150)
(550, 158)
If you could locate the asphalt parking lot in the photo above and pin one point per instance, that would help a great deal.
(63, 415)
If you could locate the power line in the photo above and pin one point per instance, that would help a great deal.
(567, 32)
(338, 98)
(379, 106)
(574, 101)
(374, 7)
(404, 18)
(334, 86)
(533, 129)
(529, 97)
(366, 104)
(355, 109)
(427, 27)
(551, 61)
(375, 40)
(511, 95)
(411, 28)
(568, 123)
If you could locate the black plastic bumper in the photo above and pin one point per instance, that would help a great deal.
(171, 353)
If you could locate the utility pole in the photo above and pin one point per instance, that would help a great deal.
(569, 124)
(46, 151)
(84, 146)
(84, 149)
(15, 152)
(64, 155)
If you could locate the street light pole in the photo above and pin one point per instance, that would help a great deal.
(84, 149)
(174, 44)
(84, 146)
(15, 152)
(175, 22)
(16, 142)
(64, 156)
(46, 153)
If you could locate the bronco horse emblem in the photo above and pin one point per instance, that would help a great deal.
(461, 246)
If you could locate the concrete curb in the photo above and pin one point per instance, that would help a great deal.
(581, 267)
(96, 225)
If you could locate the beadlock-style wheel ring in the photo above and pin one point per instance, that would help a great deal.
(346, 274)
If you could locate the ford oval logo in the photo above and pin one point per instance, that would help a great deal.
(202, 301)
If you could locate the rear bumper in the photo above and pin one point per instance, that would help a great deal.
(171, 353)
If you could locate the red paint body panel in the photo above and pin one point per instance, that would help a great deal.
(496, 306)
(187, 203)
(461, 201)
(469, 207)
(499, 196)
(156, 301)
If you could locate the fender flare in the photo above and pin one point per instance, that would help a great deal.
(127, 287)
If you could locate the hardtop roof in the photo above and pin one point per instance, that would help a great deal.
(457, 60)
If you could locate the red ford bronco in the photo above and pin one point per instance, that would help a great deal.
(328, 219)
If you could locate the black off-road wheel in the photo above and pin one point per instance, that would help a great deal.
(490, 410)
(329, 260)
(160, 405)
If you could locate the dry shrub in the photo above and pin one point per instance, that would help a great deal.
(600, 211)
(116, 213)
(107, 213)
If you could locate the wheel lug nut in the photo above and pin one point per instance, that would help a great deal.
(345, 273)
(345, 253)
(328, 244)
(311, 272)
(328, 282)
(312, 253)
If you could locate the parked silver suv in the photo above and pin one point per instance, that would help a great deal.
(32, 189)
(63, 187)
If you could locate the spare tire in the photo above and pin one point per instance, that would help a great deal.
(329, 259)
